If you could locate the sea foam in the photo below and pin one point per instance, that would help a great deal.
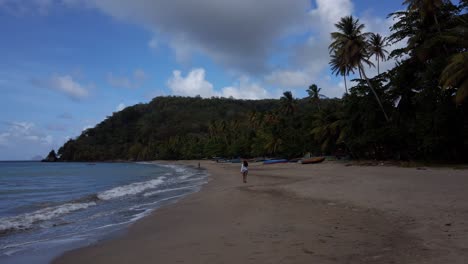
(130, 189)
(171, 189)
(25, 221)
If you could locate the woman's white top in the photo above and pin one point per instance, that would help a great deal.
(244, 169)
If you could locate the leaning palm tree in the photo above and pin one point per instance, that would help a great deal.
(377, 45)
(350, 45)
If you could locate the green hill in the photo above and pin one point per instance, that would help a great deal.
(417, 110)
(194, 128)
(173, 128)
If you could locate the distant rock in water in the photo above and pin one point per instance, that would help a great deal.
(52, 157)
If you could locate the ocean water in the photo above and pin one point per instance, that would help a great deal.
(48, 208)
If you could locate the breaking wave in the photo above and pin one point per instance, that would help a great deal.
(130, 189)
(25, 221)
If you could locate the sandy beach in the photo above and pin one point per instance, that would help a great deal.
(293, 213)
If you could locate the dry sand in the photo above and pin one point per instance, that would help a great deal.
(293, 213)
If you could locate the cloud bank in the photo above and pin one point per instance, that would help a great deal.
(195, 84)
(20, 139)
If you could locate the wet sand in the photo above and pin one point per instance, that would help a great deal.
(293, 213)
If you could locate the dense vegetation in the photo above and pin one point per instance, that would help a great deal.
(417, 110)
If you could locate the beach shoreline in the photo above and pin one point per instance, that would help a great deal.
(293, 213)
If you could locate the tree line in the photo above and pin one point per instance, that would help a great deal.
(415, 111)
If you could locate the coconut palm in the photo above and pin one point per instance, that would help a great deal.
(314, 94)
(288, 103)
(328, 127)
(455, 75)
(350, 45)
(377, 45)
(426, 8)
(338, 66)
(273, 144)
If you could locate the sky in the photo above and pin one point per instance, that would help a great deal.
(68, 64)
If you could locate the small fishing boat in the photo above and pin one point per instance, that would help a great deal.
(313, 160)
(275, 161)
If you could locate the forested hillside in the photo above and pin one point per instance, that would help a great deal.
(418, 110)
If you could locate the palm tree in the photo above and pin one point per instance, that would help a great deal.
(426, 8)
(314, 94)
(455, 75)
(328, 128)
(272, 144)
(255, 119)
(377, 48)
(288, 103)
(338, 66)
(350, 45)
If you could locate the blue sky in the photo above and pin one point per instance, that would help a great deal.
(67, 64)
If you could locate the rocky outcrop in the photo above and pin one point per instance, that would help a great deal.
(52, 157)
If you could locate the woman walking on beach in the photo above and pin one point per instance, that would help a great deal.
(245, 170)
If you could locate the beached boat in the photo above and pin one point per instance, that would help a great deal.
(313, 160)
(275, 161)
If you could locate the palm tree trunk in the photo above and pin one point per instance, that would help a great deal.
(378, 65)
(375, 94)
(345, 85)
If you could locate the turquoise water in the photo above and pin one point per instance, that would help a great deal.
(48, 208)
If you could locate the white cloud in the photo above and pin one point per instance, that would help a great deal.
(64, 84)
(289, 79)
(4, 138)
(124, 82)
(245, 89)
(327, 13)
(241, 35)
(331, 88)
(87, 127)
(195, 84)
(19, 133)
(308, 61)
(237, 34)
(192, 85)
(120, 107)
